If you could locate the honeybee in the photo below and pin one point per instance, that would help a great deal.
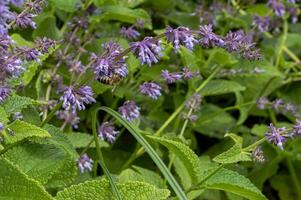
(113, 80)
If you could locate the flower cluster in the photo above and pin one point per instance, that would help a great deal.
(192, 104)
(151, 89)
(172, 77)
(111, 64)
(278, 136)
(85, 163)
(129, 110)
(278, 105)
(107, 132)
(13, 57)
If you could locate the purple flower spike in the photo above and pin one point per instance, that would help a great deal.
(25, 20)
(148, 51)
(29, 53)
(4, 93)
(171, 77)
(262, 103)
(297, 127)
(262, 23)
(208, 38)
(194, 102)
(1, 127)
(18, 3)
(74, 98)
(44, 44)
(129, 32)
(129, 110)
(150, 89)
(180, 35)
(277, 6)
(85, 163)
(277, 104)
(107, 132)
(274, 136)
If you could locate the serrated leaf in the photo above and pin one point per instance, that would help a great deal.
(14, 184)
(100, 190)
(3, 116)
(233, 182)
(38, 161)
(182, 172)
(235, 153)
(16, 103)
(188, 157)
(142, 175)
(20, 130)
(217, 87)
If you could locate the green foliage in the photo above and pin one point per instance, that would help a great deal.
(15, 184)
(99, 189)
(16, 103)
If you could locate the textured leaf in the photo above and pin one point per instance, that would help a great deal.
(217, 87)
(100, 190)
(182, 172)
(65, 5)
(21, 130)
(188, 157)
(233, 182)
(38, 161)
(3, 116)
(16, 103)
(235, 153)
(124, 14)
(142, 175)
(15, 184)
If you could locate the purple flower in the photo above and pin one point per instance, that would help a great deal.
(29, 53)
(69, 118)
(35, 6)
(277, 6)
(24, 20)
(171, 77)
(150, 89)
(74, 98)
(44, 44)
(4, 92)
(187, 74)
(208, 38)
(129, 32)
(107, 132)
(194, 102)
(5, 41)
(10, 65)
(277, 104)
(85, 163)
(234, 40)
(110, 63)
(274, 136)
(180, 35)
(129, 110)
(262, 23)
(262, 103)
(75, 66)
(139, 23)
(290, 108)
(148, 51)
(297, 127)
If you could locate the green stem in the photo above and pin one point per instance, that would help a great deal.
(255, 144)
(282, 43)
(100, 157)
(51, 114)
(296, 182)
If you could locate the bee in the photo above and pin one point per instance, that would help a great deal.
(112, 80)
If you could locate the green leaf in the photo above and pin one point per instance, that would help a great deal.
(47, 27)
(182, 172)
(3, 116)
(65, 5)
(15, 184)
(235, 153)
(233, 182)
(38, 161)
(152, 153)
(217, 87)
(20, 130)
(16, 103)
(100, 190)
(81, 140)
(124, 14)
(187, 156)
(142, 175)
